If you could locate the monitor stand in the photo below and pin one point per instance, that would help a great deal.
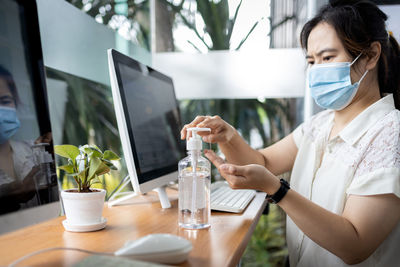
(162, 194)
(126, 198)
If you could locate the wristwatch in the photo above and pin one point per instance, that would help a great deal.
(275, 198)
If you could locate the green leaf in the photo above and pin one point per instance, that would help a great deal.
(67, 168)
(106, 161)
(72, 174)
(233, 21)
(103, 169)
(112, 167)
(67, 151)
(96, 154)
(95, 181)
(96, 148)
(248, 34)
(82, 177)
(109, 164)
(93, 147)
(95, 163)
(92, 151)
(109, 155)
(81, 174)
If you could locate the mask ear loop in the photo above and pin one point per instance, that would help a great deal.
(362, 77)
(365, 73)
(355, 59)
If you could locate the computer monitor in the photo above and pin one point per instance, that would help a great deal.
(28, 182)
(148, 122)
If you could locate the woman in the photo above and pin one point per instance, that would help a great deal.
(17, 168)
(344, 203)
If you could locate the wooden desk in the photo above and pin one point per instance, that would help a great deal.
(221, 245)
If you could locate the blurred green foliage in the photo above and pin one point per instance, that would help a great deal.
(245, 115)
(131, 15)
(218, 24)
(267, 246)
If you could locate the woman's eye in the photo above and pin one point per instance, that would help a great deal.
(310, 62)
(327, 58)
(6, 101)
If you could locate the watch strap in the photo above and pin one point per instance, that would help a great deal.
(275, 198)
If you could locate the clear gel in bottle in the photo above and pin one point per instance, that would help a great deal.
(194, 185)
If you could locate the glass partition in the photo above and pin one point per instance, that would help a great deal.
(27, 173)
(75, 55)
(75, 43)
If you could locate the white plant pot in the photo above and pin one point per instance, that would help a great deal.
(83, 208)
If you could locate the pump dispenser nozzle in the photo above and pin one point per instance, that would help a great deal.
(194, 142)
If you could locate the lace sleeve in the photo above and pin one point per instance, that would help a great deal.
(379, 169)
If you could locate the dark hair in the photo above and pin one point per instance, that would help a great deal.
(358, 24)
(8, 78)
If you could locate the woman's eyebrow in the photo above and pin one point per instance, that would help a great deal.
(323, 51)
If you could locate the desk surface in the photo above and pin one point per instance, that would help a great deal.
(220, 245)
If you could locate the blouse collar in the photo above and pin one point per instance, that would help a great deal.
(366, 119)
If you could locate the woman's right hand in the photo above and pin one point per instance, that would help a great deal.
(221, 131)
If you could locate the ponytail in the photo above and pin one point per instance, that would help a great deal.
(389, 70)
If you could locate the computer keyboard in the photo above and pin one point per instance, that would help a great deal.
(224, 198)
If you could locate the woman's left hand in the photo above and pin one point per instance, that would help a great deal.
(251, 176)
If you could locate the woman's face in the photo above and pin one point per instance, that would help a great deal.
(324, 46)
(6, 98)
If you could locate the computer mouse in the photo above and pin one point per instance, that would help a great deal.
(161, 248)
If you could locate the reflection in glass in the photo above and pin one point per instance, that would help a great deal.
(27, 178)
(27, 173)
(82, 112)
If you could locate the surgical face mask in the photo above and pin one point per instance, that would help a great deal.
(330, 84)
(9, 123)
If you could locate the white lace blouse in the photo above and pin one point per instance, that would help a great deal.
(363, 159)
(23, 161)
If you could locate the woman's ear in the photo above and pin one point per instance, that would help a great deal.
(373, 55)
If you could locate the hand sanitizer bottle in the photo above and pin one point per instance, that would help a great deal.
(194, 185)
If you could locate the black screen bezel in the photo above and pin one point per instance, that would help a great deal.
(118, 59)
(33, 51)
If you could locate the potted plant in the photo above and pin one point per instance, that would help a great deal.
(83, 205)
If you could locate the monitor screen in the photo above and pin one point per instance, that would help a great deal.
(152, 117)
(27, 171)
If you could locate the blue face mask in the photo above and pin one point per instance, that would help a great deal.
(331, 86)
(9, 123)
